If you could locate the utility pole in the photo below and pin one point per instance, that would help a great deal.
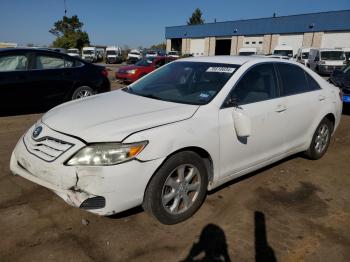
(65, 8)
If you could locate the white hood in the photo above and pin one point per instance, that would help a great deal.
(114, 115)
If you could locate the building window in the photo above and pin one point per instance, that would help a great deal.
(247, 43)
(260, 42)
(254, 43)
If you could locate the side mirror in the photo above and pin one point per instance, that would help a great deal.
(241, 123)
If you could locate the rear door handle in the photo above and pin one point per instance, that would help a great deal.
(321, 98)
(280, 108)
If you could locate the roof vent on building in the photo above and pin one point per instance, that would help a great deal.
(235, 30)
(312, 25)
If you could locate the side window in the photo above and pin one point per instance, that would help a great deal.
(49, 62)
(293, 79)
(313, 85)
(13, 63)
(68, 63)
(258, 84)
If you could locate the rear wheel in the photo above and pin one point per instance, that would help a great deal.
(81, 92)
(320, 140)
(178, 188)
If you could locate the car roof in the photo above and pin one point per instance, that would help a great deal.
(236, 60)
(24, 49)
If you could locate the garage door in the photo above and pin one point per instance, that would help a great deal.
(197, 47)
(332, 40)
(295, 41)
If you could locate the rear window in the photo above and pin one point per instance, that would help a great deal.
(53, 62)
(313, 85)
(293, 79)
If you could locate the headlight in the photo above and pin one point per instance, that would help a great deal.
(105, 154)
(132, 71)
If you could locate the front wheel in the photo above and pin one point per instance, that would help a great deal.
(82, 92)
(178, 188)
(320, 140)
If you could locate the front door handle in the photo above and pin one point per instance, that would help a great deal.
(281, 108)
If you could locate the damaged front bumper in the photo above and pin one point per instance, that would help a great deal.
(103, 190)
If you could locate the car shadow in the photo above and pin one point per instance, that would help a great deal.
(212, 245)
(254, 173)
(346, 109)
(127, 213)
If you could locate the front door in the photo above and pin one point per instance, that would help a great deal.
(256, 95)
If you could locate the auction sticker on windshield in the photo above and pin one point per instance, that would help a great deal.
(228, 70)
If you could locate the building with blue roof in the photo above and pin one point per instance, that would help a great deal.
(318, 30)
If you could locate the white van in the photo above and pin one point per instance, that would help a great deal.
(90, 54)
(73, 52)
(347, 53)
(113, 55)
(133, 56)
(248, 51)
(100, 54)
(326, 60)
(303, 55)
(283, 50)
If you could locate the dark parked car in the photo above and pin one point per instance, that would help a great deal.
(341, 78)
(35, 77)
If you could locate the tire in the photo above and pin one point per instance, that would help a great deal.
(320, 140)
(165, 196)
(82, 92)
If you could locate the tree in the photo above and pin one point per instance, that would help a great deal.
(69, 34)
(196, 18)
(161, 46)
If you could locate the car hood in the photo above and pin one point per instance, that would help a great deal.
(113, 116)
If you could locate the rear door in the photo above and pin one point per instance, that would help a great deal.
(15, 88)
(303, 99)
(54, 75)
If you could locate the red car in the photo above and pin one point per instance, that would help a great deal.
(141, 68)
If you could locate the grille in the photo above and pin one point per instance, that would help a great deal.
(94, 203)
(47, 148)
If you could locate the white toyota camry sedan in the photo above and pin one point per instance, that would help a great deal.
(186, 128)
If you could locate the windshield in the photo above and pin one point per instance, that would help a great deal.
(305, 55)
(88, 52)
(246, 53)
(195, 83)
(283, 52)
(111, 52)
(134, 53)
(73, 51)
(151, 53)
(145, 62)
(332, 55)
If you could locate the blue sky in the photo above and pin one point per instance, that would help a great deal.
(137, 22)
